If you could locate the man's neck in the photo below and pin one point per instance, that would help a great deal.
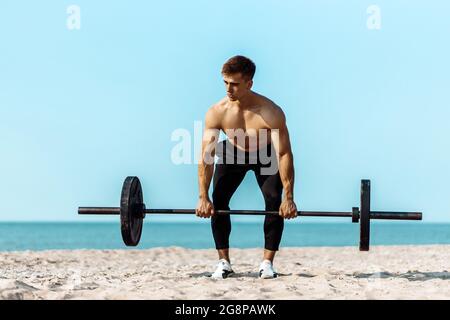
(245, 102)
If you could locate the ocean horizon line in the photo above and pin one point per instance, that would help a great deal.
(107, 234)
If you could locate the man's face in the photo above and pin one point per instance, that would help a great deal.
(236, 86)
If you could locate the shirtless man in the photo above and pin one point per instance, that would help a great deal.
(252, 124)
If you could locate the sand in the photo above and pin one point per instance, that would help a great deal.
(174, 273)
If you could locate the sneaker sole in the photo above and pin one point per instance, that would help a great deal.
(225, 274)
(275, 275)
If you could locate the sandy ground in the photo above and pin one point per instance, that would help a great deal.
(386, 272)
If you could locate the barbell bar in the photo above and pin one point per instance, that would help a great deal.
(132, 211)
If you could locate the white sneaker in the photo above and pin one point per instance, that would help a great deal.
(266, 270)
(223, 270)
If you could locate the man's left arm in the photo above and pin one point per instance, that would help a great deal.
(282, 145)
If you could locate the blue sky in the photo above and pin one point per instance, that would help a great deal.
(82, 109)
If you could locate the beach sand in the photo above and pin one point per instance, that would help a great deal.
(385, 272)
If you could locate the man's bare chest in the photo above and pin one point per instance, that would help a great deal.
(248, 121)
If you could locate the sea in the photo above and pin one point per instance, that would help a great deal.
(19, 236)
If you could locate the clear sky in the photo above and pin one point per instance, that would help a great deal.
(81, 109)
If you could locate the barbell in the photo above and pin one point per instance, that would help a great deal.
(132, 211)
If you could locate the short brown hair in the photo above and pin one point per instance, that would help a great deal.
(240, 64)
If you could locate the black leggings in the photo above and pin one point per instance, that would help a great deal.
(227, 178)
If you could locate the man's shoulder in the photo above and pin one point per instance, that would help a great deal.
(270, 109)
(268, 104)
(214, 113)
(218, 107)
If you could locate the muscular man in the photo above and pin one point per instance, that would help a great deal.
(257, 140)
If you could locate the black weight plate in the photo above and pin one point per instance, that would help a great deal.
(355, 215)
(365, 216)
(131, 215)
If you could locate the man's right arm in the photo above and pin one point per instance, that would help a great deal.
(209, 143)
